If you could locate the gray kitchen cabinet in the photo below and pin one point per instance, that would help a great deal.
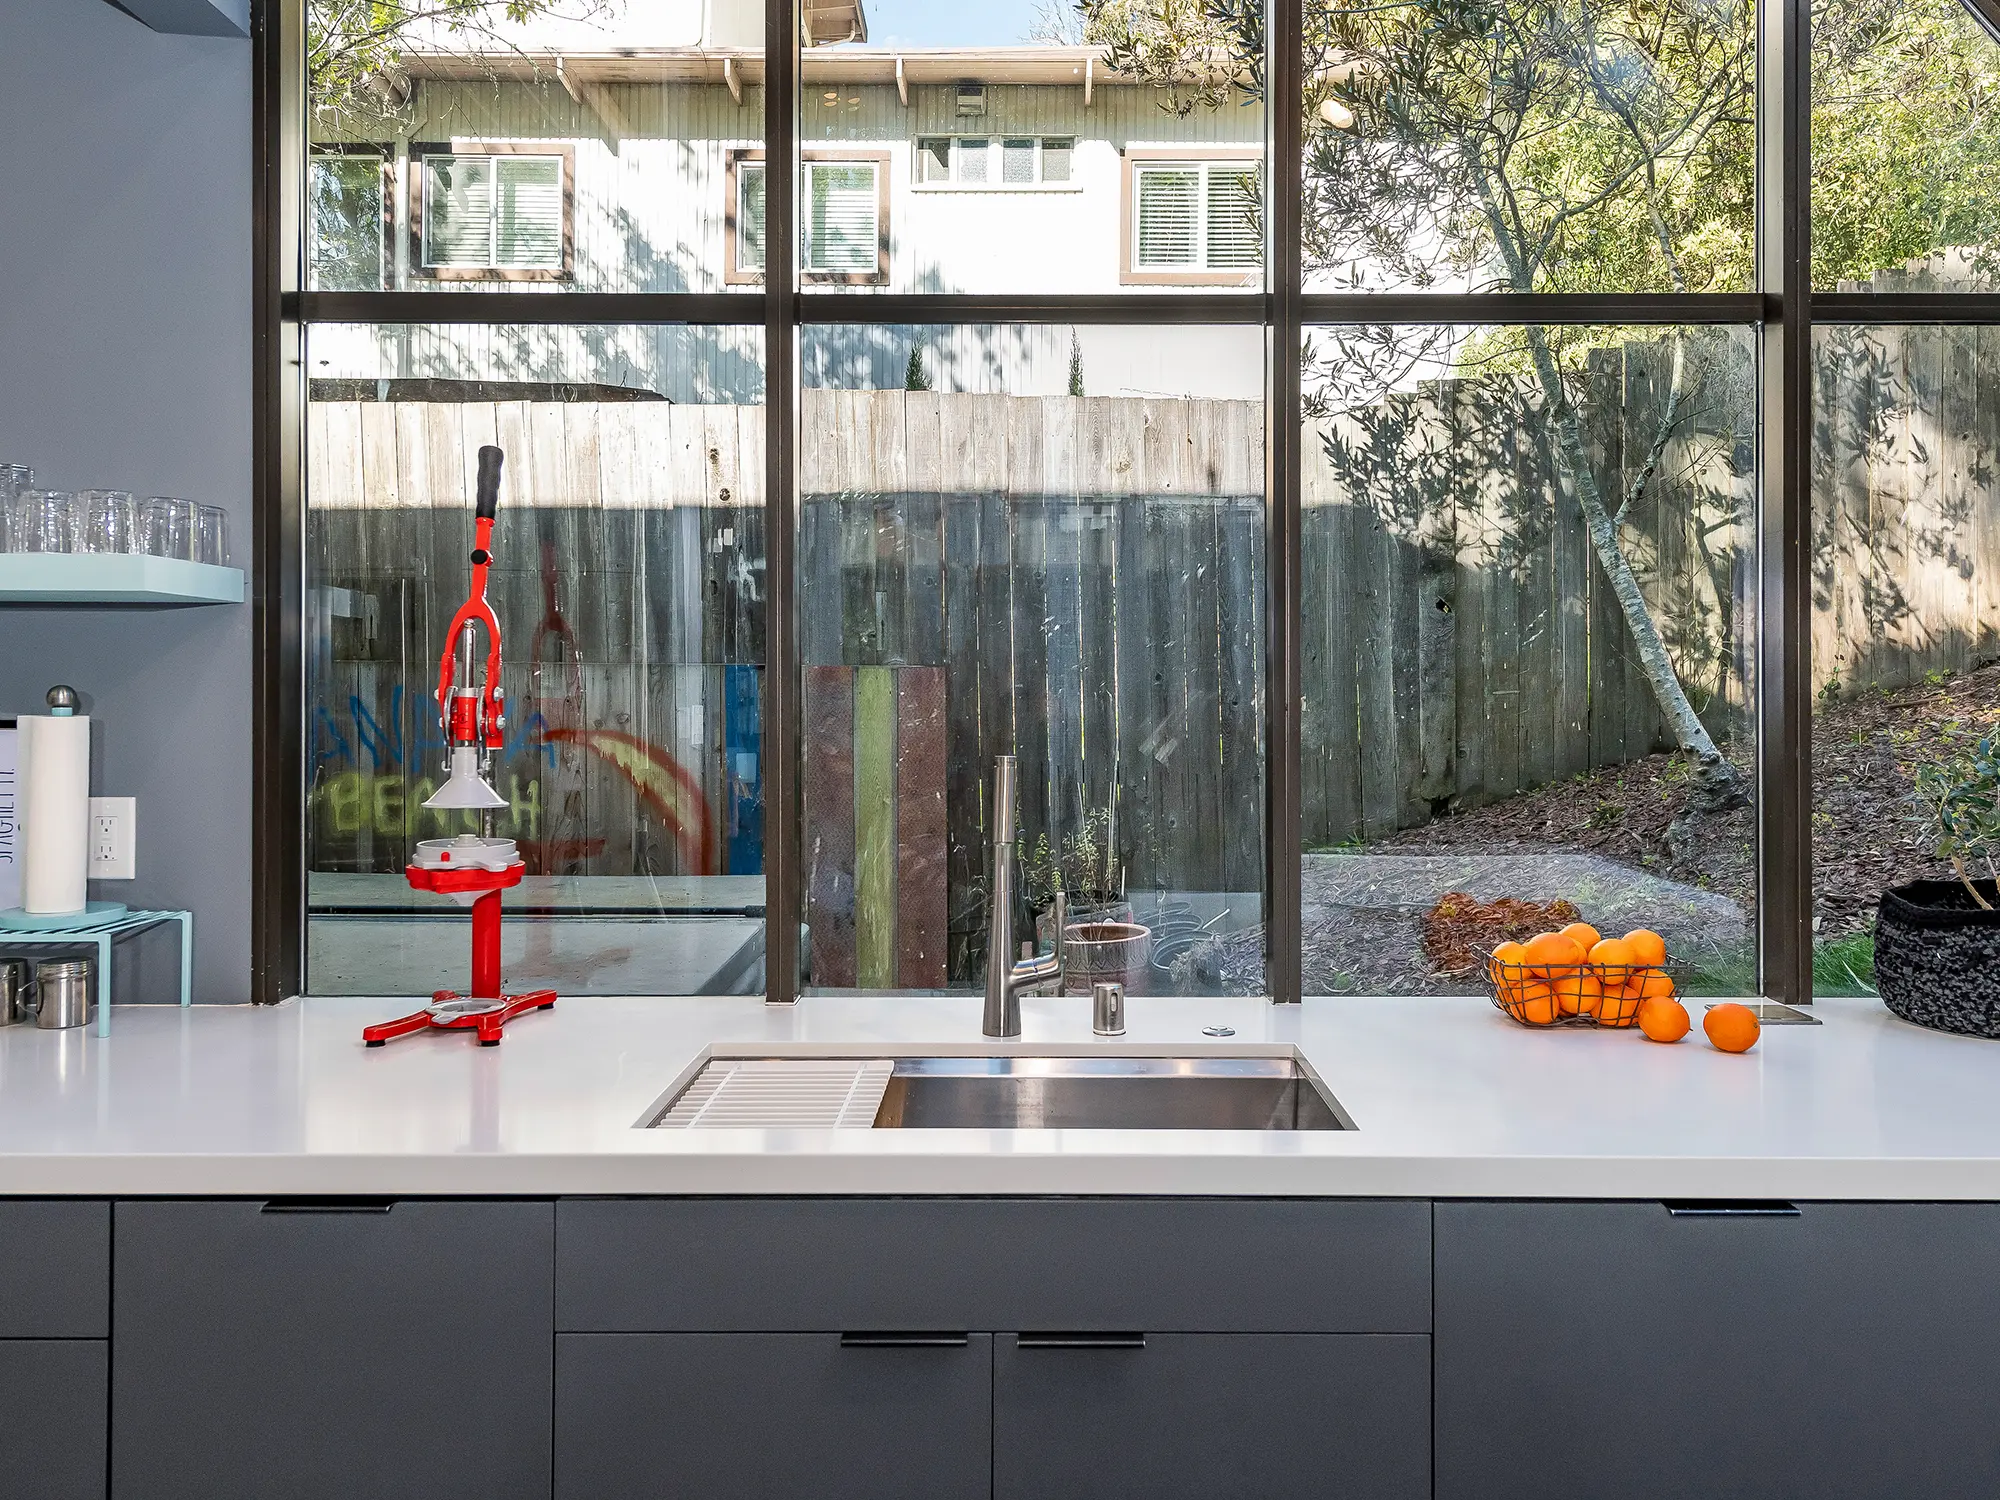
(331, 1351)
(52, 1436)
(770, 1416)
(57, 1252)
(1834, 1352)
(1094, 1416)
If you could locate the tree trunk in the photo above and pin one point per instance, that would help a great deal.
(1720, 785)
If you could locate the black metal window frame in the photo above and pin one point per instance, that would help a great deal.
(1783, 310)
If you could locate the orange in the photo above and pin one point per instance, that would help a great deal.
(1613, 959)
(1550, 954)
(1578, 993)
(1534, 1002)
(1620, 1006)
(1663, 1020)
(1508, 961)
(1647, 946)
(1651, 984)
(1582, 934)
(1731, 1027)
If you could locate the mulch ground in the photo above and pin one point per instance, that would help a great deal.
(1867, 834)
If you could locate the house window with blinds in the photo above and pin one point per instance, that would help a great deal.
(494, 214)
(840, 230)
(1197, 217)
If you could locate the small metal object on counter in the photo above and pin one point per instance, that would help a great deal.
(67, 990)
(1107, 1009)
(17, 991)
(1218, 1031)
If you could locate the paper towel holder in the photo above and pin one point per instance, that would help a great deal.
(63, 701)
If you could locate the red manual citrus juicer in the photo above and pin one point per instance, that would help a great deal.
(474, 868)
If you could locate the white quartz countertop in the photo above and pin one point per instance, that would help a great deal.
(1450, 1099)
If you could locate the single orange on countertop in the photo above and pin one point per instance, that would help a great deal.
(1582, 934)
(1732, 1027)
(1551, 954)
(1578, 993)
(1647, 946)
(1663, 1019)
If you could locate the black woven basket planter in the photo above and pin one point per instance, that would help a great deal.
(1937, 956)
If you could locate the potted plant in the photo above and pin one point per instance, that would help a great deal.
(1102, 942)
(1937, 942)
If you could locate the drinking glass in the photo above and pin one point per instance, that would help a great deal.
(211, 535)
(106, 521)
(14, 478)
(167, 526)
(45, 517)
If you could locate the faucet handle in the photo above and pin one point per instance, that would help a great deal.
(1062, 936)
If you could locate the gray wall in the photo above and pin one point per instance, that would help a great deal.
(125, 363)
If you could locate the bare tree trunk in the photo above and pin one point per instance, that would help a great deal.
(1720, 785)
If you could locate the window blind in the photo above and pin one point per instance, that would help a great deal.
(1233, 238)
(1017, 161)
(972, 155)
(494, 212)
(458, 210)
(844, 233)
(750, 216)
(1055, 158)
(1169, 215)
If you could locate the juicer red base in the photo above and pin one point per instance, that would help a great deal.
(486, 1009)
(450, 1011)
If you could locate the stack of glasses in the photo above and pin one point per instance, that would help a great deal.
(33, 520)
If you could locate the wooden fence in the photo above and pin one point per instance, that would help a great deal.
(1089, 575)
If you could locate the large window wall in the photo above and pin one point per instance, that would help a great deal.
(1356, 458)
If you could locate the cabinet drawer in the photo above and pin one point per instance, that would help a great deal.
(333, 1354)
(830, 1264)
(1212, 1417)
(767, 1416)
(53, 1434)
(1842, 1350)
(58, 1258)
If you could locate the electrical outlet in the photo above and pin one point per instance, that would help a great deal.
(114, 838)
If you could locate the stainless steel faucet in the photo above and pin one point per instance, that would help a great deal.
(1006, 977)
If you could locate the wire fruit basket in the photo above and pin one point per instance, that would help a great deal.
(1577, 994)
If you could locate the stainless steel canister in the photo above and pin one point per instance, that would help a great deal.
(67, 990)
(17, 991)
(1107, 1009)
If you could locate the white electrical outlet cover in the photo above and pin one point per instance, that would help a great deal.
(114, 838)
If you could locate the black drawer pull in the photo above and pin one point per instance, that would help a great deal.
(904, 1340)
(328, 1206)
(1730, 1208)
(1080, 1341)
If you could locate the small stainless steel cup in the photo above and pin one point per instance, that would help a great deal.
(17, 991)
(67, 990)
(1107, 1009)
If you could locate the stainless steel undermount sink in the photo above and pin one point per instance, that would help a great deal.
(983, 1091)
(1104, 1093)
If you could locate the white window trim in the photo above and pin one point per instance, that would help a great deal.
(1204, 161)
(742, 166)
(994, 143)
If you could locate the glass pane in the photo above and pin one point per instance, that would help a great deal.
(344, 223)
(1014, 541)
(1540, 145)
(1169, 226)
(546, 146)
(1529, 594)
(627, 579)
(1906, 618)
(750, 217)
(1905, 147)
(1050, 110)
(843, 232)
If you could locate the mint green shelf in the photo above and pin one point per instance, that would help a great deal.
(114, 578)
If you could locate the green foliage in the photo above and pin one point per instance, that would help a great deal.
(914, 378)
(1959, 793)
(1075, 364)
(1906, 137)
(1085, 865)
(353, 46)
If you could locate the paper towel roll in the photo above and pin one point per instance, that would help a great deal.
(55, 813)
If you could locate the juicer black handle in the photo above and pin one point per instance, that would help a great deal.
(490, 459)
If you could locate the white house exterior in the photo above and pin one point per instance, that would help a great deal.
(628, 157)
